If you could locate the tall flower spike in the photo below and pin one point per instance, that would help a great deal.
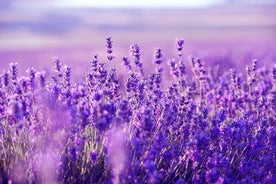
(109, 45)
(182, 69)
(274, 73)
(57, 64)
(109, 50)
(14, 72)
(251, 73)
(254, 65)
(1, 82)
(158, 56)
(179, 46)
(201, 69)
(32, 76)
(67, 77)
(6, 79)
(42, 78)
(234, 81)
(126, 62)
(174, 67)
(135, 53)
(94, 63)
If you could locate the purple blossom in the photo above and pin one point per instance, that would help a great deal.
(179, 46)
(158, 56)
(135, 53)
(109, 50)
(93, 156)
(138, 127)
(126, 63)
(14, 71)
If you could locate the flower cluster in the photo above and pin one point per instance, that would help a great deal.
(200, 128)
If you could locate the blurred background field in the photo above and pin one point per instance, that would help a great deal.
(227, 33)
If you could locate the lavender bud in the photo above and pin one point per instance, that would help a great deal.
(274, 73)
(24, 84)
(174, 68)
(198, 69)
(90, 80)
(42, 78)
(109, 45)
(14, 71)
(254, 65)
(57, 65)
(6, 79)
(1, 81)
(32, 74)
(158, 56)
(135, 53)
(18, 109)
(233, 79)
(67, 76)
(94, 63)
(93, 156)
(102, 73)
(251, 73)
(110, 57)
(179, 46)
(132, 83)
(109, 50)
(126, 62)
(97, 96)
(182, 69)
(159, 70)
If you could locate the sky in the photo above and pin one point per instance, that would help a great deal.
(137, 3)
(127, 3)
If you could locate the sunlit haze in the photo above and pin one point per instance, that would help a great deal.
(127, 3)
(140, 3)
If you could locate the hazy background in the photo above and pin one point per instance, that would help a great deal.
(226, 32)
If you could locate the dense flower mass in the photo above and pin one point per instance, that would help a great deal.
(201, 127)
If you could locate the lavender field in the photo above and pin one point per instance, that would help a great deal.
(139, 96)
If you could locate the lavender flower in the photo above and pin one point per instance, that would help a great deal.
(6, 79)
(126, 63)
(174, 67)
(251, 73)
(158, 56)
(132, 83)
(109, 50)
(274, 74)
(135, 53)
(94, 63)
(14, 71)
(234, 81)
(179, 46)
(32, 77)
(67, 77)
(93, 156)
(109, 45)
(42, 78)
(209, 127)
